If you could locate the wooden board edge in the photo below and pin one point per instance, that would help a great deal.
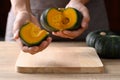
(68, 70)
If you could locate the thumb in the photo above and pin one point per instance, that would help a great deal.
(16, 30)
(85, 22)
(86, 17)
(16, 34)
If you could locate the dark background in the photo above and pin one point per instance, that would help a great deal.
(113, 12)
(4, 9)
(112, 8)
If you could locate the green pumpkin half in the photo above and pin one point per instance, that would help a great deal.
(56, 19)
(31, 35)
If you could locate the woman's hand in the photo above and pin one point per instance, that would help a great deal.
(21, 18)
(77, 4)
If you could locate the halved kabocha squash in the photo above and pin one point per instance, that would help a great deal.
(31, 35)
(56, 19)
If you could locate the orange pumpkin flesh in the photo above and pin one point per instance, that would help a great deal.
(31, 35)
(55, 19)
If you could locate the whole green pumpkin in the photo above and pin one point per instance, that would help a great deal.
(108, 46)
(106, 43)
(94, 35)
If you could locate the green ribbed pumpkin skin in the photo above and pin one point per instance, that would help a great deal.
(44, 23)
(94, 35)
(108, 46)
(35, 44)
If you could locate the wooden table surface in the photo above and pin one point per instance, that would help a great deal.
(9, 52)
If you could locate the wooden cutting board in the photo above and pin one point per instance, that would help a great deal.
(60, 60)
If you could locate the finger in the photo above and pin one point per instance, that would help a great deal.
(19, 42)
(25, 48)
(16, 35)
(43, 45)
(49, 39)
(71, 34)
(36, 49)
(15, 31)
(61, 34)
(86, 16)
(35, 21)
(81, 30)
(16, 26)
(31, 50)
(74, 34)
(85, 22)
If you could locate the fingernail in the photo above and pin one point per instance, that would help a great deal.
(25, 49)
(36, 49)
(15, 35)
(33, 48)
(53, 32)
(65, 32)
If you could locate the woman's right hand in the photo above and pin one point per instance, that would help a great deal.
(80, 6)
(21, 19)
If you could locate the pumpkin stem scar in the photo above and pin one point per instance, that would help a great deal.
(102, 33)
